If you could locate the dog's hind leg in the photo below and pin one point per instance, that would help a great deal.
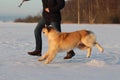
(99, 47)
(89, 52)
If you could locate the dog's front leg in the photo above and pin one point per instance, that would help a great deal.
(44, 56)
(89, 52)
(51, 56)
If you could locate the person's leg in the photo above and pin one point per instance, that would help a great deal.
(56, 25)
(70, 53)
(38, 39)
(37, 33)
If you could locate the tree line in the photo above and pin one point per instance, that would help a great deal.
(86, 11)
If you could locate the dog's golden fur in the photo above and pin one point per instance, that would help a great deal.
(66, 41)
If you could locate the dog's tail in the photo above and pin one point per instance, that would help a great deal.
(89, 40)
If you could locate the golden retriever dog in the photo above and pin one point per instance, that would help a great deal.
(66, 41)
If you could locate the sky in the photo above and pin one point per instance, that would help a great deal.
(9, 8)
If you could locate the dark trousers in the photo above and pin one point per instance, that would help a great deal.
(38, 31)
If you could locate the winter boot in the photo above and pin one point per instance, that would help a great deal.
(35, 53)
(69, 55)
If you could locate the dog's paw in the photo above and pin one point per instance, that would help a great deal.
(88, 56)
(101, 50)
(40, 59)
(46, 62)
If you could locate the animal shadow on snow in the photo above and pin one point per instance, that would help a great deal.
(109, 58)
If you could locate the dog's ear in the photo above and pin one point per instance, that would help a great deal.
(45, 26)
(49, 28)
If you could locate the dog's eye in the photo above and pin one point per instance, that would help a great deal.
(43, 32)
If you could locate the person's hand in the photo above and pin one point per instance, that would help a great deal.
(47, 10)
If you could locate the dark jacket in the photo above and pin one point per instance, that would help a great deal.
(54, 6)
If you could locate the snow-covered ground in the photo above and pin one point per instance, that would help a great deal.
(16, 39)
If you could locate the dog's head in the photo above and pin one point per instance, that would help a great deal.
(48, 29)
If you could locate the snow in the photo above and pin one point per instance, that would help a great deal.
(16, 39)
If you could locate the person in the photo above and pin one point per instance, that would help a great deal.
(51, 15)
